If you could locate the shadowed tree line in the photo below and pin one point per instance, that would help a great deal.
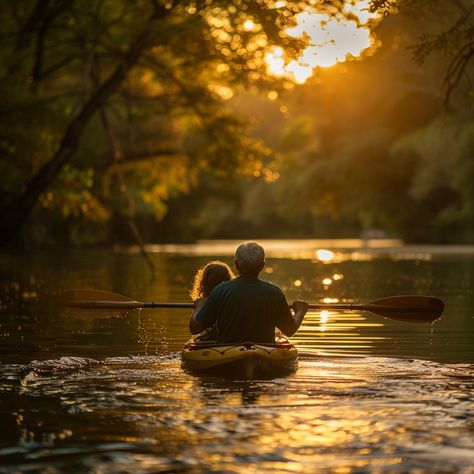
(117, 125)
(105, 98)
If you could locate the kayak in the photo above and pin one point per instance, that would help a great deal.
(241, 360)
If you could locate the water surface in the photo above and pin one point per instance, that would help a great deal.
(88, 394)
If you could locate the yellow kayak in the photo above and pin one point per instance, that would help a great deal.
(241, 360)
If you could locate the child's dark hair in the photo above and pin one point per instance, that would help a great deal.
(209, 276)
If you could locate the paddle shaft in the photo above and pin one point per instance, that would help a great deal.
(152, 304)
(318, 306)
(409, 308)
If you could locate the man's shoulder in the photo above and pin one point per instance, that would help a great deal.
(241, 284)
(270, 286)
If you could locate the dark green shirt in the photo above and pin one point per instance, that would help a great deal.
(246, 309)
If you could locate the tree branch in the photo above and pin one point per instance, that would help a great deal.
(456, 70)
(15, 214)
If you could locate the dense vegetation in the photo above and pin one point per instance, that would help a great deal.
(123, 121)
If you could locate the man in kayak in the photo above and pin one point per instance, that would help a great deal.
(247, 309)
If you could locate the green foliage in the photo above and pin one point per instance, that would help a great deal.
(186, 141)
(142, 137)
(445, 172)
(365, 146)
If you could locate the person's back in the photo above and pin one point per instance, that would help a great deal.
(247, 309)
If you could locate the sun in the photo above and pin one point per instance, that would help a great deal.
(333, 38)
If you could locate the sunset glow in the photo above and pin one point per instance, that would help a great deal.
(332, 39)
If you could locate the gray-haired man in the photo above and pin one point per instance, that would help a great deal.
(247, 309)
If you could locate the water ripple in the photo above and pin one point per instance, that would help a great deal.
(357, 414)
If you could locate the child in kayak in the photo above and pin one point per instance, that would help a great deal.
(205, 280)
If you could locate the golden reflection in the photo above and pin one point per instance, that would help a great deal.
(324, 255)
(332, 37)
(323, 320)
(313, 429)
(308, 249)
(324, 317)
(330, 300)
(336, 426)
(361, 257)
(336, 333)
(327, 282)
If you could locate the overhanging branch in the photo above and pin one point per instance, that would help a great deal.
(15, 214)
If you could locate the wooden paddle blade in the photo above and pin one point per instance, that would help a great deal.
(409, 308)
(71, 297)
(95, 304)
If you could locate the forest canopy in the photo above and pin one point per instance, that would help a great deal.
(179, 120)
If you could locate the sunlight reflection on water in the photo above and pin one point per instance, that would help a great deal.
(341, 333)
(358, 414)
(321, 250)
(348, 249)
(108, 395)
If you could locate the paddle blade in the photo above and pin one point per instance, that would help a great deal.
(96, 298)
(87, 304)
(410, 308)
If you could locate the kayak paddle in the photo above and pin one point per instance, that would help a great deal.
(409, 308)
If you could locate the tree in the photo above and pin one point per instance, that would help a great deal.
(442, 27)
(367, 144)
(151, 75)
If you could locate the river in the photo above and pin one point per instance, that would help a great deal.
(85, 393)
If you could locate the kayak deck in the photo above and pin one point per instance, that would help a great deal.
(241, 360)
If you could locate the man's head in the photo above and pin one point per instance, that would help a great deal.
(249, 259)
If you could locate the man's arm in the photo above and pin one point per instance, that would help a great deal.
(299, 309)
